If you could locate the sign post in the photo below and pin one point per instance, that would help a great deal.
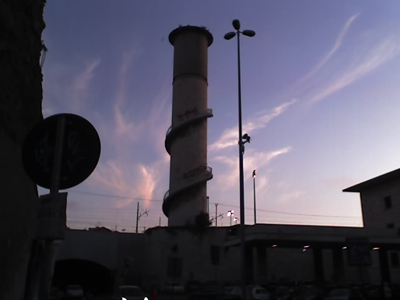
(60, 152)
(52, 217)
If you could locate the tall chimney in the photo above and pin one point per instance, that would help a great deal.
(186, 139)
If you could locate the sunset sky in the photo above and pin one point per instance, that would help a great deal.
(320, 96)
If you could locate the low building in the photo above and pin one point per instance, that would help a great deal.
(165, 256)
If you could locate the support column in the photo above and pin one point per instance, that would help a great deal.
(318, 266)
(384, 266)
(249, 264)
(338, 267)
(261, 264)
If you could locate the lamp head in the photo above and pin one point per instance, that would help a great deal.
(246, 138)
(229, 35)
(236, 24)
(249, 33)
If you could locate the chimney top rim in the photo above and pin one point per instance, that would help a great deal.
(181, 29)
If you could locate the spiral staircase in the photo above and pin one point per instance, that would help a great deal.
(191, 177)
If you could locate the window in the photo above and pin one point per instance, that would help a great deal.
(394, 259)
(388, 202)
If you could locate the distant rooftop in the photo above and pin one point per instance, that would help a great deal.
(374, 181)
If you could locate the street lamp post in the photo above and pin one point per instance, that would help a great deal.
(254, 192)
(242, 140)
(230, 214)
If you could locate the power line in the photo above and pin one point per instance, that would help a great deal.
(111, 224)
(227, 205)
(126, 211)
(289, 213)
(113, 196)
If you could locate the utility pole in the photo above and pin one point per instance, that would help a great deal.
(139, 215)
(216, 214)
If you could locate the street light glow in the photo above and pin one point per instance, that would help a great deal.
(230, 214)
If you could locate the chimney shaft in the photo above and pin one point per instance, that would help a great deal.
(186, 139)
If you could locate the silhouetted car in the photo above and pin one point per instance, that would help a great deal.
(211, 291)
(173, 287)
(192, 286)
(259, 293)
(234, 292)
(74, 291)
(344, 294)
(309, 292)
(282, 293)
(130, 292)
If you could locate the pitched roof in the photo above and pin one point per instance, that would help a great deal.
(374, 181)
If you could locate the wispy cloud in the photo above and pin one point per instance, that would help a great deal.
(229, 166)
(148, 182)
(82, 80)
(75, 81)
(124, 128)
(230, 136)
(155, 126)
(260, 159)
(81, 85)
(357, 60)
(335, 48)
(125, 137)
(225, 163)
(127, 179)
(375, 57)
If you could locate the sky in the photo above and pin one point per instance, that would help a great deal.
(320, 100)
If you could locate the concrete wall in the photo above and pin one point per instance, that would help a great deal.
(375, 214)
(121, 253)
(20, 108)
(289, 263)
(194, 252)
(131, 253)
(267, 263)
(149, 259)
(98, 247)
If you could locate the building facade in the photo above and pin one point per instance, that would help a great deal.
(274, 253)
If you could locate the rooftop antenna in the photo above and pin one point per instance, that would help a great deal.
(139, 215)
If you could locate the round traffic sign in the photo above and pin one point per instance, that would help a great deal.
(80, 151)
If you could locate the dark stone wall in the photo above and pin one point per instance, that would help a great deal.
(21, 26)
